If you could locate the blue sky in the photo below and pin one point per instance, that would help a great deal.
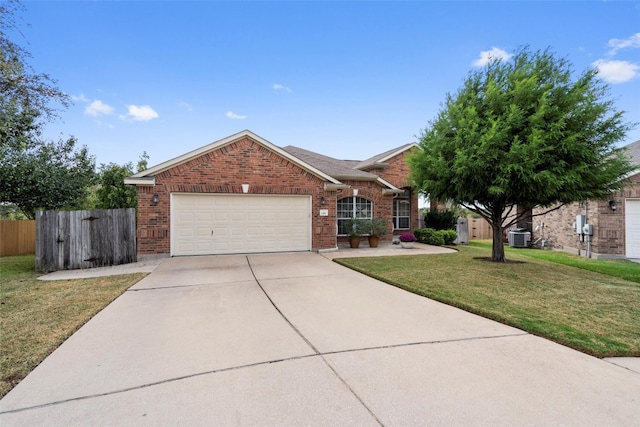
(346, 79)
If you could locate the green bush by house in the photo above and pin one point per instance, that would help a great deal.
(435, 237)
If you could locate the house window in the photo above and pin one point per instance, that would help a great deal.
(353, 207)
(401, 214)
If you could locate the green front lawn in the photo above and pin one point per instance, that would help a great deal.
(590, 311)
(37, 316)
(622, 268)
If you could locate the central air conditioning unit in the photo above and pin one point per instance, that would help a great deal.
(519, 238)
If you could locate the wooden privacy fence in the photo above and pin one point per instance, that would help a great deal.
(479, 228)
(17, 237)
(85, 239)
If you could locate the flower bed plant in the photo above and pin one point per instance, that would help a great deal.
(407, 237)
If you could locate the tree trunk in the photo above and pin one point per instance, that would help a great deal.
(497, 251)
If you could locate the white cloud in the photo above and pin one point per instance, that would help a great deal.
(278, 87)
(80, 98)
(185, 105)
(142, 113)
(488, 55)
(617, 44)
(98, 108)
(235, 116)
(616, 71)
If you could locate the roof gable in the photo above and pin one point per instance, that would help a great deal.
(379, 161)
(146, 177)
(331, 170)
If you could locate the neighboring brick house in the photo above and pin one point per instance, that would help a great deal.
(243, 194)
(616, 221)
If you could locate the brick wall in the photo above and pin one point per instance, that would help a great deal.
(370, 190)
(608, 225)
(397, 174)
(558, 227)
(223, 171)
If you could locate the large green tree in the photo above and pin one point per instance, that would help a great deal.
(34, 173)
(523, 133)
(46, 175)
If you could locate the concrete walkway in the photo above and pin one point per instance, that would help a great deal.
(295, 339)
(147, 264)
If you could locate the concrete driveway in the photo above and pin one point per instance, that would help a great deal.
(295, 339)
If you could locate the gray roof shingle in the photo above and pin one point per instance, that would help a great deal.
(339, 169)
(633, 151)
(342, 169)
(371, 161)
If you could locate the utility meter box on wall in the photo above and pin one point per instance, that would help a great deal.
(581, 221)
(587, 229)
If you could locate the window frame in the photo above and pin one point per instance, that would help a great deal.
(396, 217)
(358, 206)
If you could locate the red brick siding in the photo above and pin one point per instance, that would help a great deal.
(223, 171)
(244, 161)
(608, 225)
(370, 190)
(397, 174)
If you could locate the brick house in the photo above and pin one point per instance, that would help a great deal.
(616, 221)
(242, 194)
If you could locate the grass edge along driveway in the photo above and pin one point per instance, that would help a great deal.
(591, 312)
(37, 316)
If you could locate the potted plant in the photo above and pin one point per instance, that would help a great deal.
(378, 228)
(356, 228)
(406, 240)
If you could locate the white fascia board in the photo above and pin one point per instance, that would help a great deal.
(387, 184)
(140, 181)
(632, 173)
(331, 186)
(386, 191)
(395, 153)
(215, 145)
(358, 178)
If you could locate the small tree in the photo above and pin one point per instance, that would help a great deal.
(522, 132)
(45, 175)
(112, 193)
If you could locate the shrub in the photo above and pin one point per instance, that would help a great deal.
(421, 234)
(449, 236)
(429, 236)
(445, 220)
(378, 227)
(357, 227)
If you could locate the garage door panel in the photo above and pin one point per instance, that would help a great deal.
(632, 228)
(254, 216)
(219, 224)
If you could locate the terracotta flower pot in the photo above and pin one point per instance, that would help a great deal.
(373, 241)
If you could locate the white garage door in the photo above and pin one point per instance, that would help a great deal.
(632, 227)
(206, 224)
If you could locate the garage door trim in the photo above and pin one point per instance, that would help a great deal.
(270, 222)
(632, 228)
